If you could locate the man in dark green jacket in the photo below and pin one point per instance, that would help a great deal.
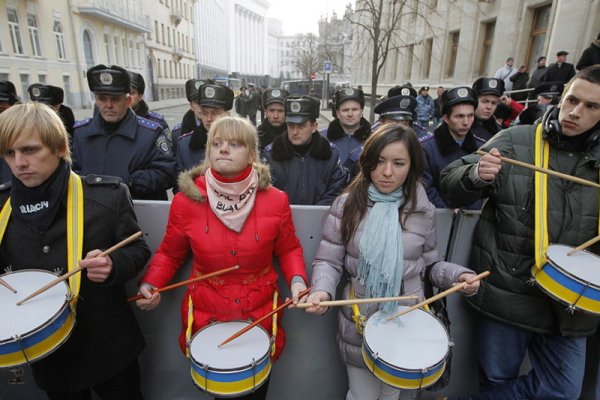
(516, 315)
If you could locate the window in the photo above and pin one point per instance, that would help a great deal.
(124, 51)
(24, 86)
(42, 79)
(87, 49)
(117, 52)
(156, 38)
(409, 61)
(140, 55)
(34, 35)
(537, 37)
(452, 52)
(427, 53)
(486, 48)
(59, 39)
(158, 67)
(107, 47)
(15, 33)
(132, 58)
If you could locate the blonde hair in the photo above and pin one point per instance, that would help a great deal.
(242, 131)
(24, 120)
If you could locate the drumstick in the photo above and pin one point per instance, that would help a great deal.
(80, 268)
(186, 282)
(584, 245)
(6, 285)
(335, 303)
(544, 170)
(438, 296)
(258, 321)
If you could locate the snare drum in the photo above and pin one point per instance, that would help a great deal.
(408, 352)
(239, 367)
(37, 327)
(573, 280)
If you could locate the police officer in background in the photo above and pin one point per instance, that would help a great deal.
(547, 94)
(8, 98)
(189, 121)
(117, 142)
(140, 107)
(214, 102)
(303, 163)
(349, 129)
(53, 96)
(273, 101)
(488, 91)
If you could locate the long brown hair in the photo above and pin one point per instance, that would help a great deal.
(356, 204)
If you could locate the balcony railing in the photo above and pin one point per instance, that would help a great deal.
(126, 13)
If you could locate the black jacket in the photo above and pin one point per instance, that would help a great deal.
(106, 337)
(267, 133)
(590, 56)
(563, 74)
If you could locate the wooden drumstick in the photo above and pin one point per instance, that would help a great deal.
(336, 303)
(544, 170)
(258, 321)
(584, 245)
(438, 296)
(186, 282)
(6, 285)
(80, 268)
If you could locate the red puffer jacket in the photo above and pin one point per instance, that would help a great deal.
(247, 293)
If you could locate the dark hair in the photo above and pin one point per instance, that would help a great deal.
(590, 74)
(356, 203)
(541, 58)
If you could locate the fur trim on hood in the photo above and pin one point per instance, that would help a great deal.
(335, 130)
(282, 149)
(446, 143)
(189, 187)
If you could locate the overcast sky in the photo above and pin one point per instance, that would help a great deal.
(302, 16)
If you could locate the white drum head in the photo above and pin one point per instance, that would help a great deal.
(413, 341)
(251, 346)
(34, 313)
(582, 265)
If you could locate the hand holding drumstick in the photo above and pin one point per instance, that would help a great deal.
(489, 165)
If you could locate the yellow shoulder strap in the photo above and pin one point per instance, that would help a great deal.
(542, 156)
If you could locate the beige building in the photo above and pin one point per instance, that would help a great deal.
(453, 43)
(55, 42)
(171, 47)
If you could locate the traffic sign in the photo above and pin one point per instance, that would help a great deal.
(327, 67)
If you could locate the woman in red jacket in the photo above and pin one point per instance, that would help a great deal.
(228, 214)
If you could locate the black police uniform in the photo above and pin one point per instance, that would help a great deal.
(536, 111)
(54, 95)
(8, 94)
(106, 339)
(267, 132)
(137, 151)
(485, 129)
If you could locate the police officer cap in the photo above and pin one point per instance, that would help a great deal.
(458, 95)
(493, 86)
(345, 94)
(46, 94)
(301, 109)
(211, 95)
(8, 92)
(192, 86)
(274, 96)
(398, 108)
(549, 89)
(402, 90)
(562, 53)
(137, 82)
(110, 79)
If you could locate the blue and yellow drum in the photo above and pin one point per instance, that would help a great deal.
(37, 327)
(408, 352)
(239, 367)
(571, 279)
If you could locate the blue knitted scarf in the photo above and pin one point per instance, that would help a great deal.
(381, 251)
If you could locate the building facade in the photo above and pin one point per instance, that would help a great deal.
(453, 43)
(56, 42)
(335, 43)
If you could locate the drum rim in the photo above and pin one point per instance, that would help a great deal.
(437, 364)
(230, 370)
(554, 297)
(49, 320)
(555, 264)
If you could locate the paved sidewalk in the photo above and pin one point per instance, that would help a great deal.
(82, 113)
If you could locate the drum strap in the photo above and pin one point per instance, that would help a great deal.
(357, 317)
(74, 230)
(274, 322)
(542, 156)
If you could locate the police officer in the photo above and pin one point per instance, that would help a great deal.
(451, 140)
(53, 96)
(8, 95)
(189, 121)
(349, 129)
(273, 101)
(119, 143)
(214, 102)
(303, 163)
(547, 94)
(140, 107)
(489, 91)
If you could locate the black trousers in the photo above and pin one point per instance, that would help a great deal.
(123, 386)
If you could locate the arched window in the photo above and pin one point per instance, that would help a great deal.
(59, 38)
(87, 49)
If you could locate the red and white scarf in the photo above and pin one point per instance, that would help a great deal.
(232, 202)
